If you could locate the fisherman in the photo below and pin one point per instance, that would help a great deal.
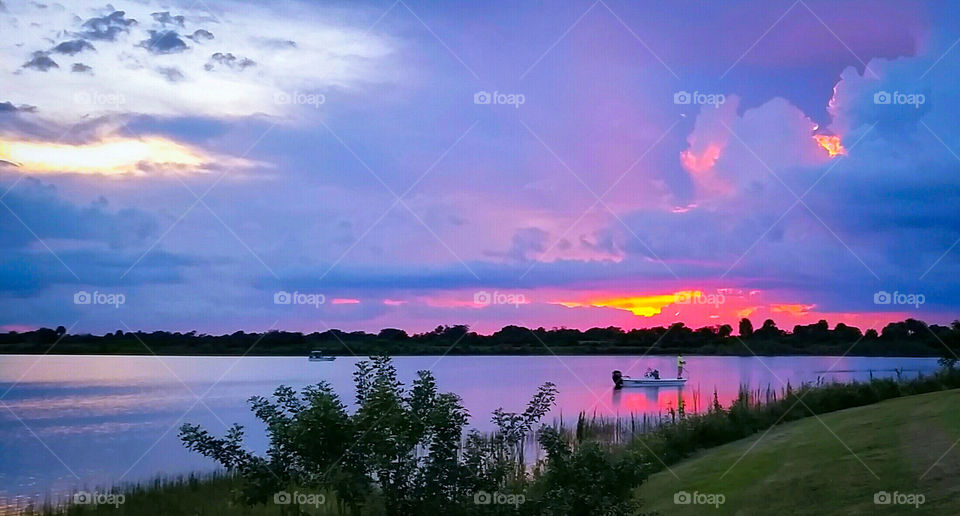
(680, 363)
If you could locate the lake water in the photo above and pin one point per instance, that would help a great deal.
(81, 422)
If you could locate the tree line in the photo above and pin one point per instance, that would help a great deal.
(910, 337)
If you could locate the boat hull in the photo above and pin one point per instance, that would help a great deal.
(323, 359)
(649, 382)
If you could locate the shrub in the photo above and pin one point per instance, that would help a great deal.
(402, 448)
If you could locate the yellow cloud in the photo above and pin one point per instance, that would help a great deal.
(644, 306)
(792, 309)
(110, 156)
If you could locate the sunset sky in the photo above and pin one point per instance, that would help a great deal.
(410, 164)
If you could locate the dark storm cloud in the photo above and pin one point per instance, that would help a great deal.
(228, 60)
(73, 47)
(165, 19)
(107, 28)
(277, 43)
(170, 73)
(164, 42)
(49, 215)
(41, 62)
(200, 35)
(8, 107)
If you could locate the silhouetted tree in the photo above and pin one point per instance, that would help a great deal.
(746, 327)
(724, 331)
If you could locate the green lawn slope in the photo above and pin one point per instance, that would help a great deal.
(831, 464)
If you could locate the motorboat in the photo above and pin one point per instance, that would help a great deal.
(318, 356)
(650, 379)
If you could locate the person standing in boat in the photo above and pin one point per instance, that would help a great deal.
(680, 363)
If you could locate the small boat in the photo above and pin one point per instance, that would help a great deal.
(318, 356)
(648, 380)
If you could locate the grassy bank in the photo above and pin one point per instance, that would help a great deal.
(813, 466)
(212, 495)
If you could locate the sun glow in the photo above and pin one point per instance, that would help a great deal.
(795, 310)
(112, 156)
(644, 306)
(831, 144)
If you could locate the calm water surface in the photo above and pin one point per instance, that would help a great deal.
(81, 422)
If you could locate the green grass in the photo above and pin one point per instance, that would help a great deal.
(813, 466)
(205, 496)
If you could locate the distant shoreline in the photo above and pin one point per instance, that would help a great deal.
(474, 355)
(909, 338)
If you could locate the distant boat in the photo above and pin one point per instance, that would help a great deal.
(648, 380)
(318, 356)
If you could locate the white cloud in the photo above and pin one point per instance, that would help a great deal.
(325, 55)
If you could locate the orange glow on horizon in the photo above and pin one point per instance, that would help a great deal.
(110, 156)
(795, 310)
(643, 306)
(831, 144)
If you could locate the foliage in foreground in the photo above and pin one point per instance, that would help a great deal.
(583, 473)
(404, 452)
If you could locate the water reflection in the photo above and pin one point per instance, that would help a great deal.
(69, 421)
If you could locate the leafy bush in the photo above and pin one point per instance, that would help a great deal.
(404, 449)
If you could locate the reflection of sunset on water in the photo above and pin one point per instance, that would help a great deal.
(78, 404)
